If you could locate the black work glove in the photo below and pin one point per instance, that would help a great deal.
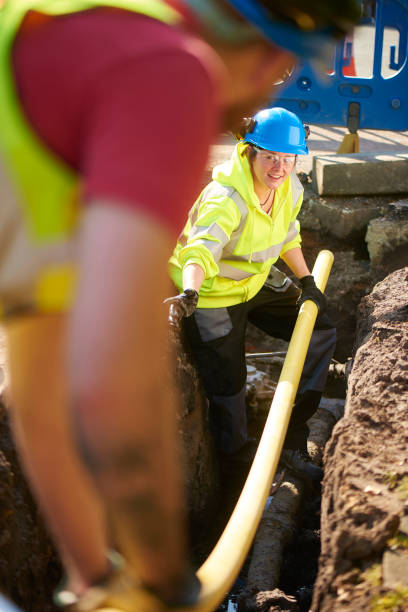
(182, 305)
(311, 292)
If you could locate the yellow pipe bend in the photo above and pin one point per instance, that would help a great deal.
(220, 570)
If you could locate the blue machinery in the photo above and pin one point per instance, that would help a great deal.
(366, 82)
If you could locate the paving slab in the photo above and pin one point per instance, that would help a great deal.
(361, 173)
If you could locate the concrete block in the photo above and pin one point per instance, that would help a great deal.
(344, 218)
(361, 173)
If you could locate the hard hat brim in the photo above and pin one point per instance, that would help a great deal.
(312, 45)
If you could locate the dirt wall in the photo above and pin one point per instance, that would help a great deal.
(364, 534)
(29, 567)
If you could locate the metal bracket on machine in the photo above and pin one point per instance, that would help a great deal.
(351, 142)
(353, 117)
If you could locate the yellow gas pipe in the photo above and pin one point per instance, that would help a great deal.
(220, 570)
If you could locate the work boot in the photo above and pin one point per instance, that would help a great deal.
(299, 463)
(242, 458)
(122, 591)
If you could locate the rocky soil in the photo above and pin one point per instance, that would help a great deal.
(364, 559)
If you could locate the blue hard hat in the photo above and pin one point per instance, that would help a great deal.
(306, 43)
(277, 129)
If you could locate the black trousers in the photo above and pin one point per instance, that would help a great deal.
(217, 340)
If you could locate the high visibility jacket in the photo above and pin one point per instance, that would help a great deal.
(39, 204)
(231, 238)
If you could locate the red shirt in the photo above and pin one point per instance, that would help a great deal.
(125, 100)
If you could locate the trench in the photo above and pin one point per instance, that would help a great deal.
(29, 569)
(348, 550)
(299, 561)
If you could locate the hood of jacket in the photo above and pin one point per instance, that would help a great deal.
(236, 172)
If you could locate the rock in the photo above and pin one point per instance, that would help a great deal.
(361, 173)
(276, 528)
(403, 527)
(387, 241)
(320, 425)
(267, 601)
(259, 387)
(343, 217)
(395, 569)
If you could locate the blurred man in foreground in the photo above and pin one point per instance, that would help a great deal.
(107, 112)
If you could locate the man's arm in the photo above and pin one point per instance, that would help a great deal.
(121, 395)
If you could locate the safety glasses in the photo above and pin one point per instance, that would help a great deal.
(274, 159)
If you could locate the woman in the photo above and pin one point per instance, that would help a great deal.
(243, 221)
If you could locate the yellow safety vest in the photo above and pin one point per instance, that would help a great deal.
(231, 238)
(39, 203)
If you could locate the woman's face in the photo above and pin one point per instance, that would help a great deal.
(270, 169)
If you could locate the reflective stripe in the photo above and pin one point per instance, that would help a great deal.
(228, 271)
(260, 256)
(297, 191)
(210, 191)
(297, 188)
(223, 249)
(236, 234)
(292, 233)
(272, 251)
(215, 190)
(214, 246)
